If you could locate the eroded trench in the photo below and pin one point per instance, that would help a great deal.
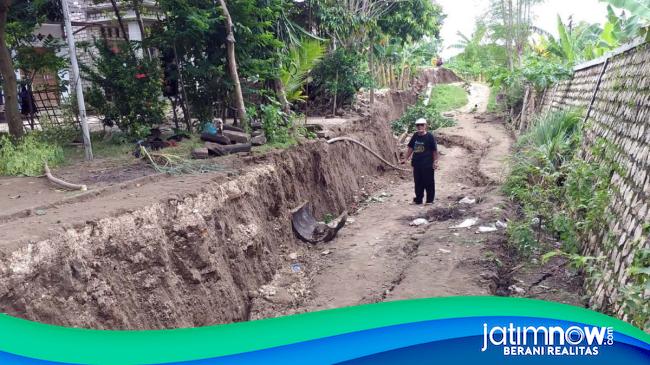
(196, 260)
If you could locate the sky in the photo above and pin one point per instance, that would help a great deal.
(462, 14)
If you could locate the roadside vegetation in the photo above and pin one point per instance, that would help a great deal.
(442, 98)
(561, 191)
(291, 58)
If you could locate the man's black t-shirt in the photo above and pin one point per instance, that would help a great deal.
(423, 147)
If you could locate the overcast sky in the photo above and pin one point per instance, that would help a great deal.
(462, 14)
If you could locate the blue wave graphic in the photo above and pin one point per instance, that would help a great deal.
(455, 340)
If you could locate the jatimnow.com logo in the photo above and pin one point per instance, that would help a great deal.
(547, 340)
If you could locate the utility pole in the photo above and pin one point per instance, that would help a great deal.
(76, 77)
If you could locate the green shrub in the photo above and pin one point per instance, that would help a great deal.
(341, 73)
(276, 123)
(429, 112)
(27, 156)
(126, 90)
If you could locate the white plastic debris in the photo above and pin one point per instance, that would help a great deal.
(444, 250)
(419, 222)
(486, 229)
(466, 223)
(467, 200)
(515, 289)
(293, 255)
(500, 224)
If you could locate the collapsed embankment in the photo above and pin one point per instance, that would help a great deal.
(193, 260)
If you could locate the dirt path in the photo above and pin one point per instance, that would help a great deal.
(381, 257)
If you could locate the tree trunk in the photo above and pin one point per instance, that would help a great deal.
(187, 118)
(371, 66)
(281, 94)
(138, 18)
(116, 10)
(232, 64)
(8, 75)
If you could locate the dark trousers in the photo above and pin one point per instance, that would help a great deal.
(424, 180)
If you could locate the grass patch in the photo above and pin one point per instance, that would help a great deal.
(448, 97)
(120, 147)
(275, 146)
(492, 105)
(27, 156)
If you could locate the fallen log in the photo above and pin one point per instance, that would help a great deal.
(222, 150)
(239, 137)
(216, 138)
(228, 127)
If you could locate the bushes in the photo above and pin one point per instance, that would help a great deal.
(540, 168)
(429, 112)
(340, 74)
(27, 156)
(126, 90)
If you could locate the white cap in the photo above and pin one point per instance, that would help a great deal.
(421, 121)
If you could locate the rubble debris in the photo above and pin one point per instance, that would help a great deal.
(309, 230)
(486, 229)
(467, 200)
(258, 140)
(517, 290)
(419, 222)
(466, 223)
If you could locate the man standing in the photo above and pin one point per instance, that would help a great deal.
(424, 150)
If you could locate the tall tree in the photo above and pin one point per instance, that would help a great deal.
(9, 77)
(232, 63)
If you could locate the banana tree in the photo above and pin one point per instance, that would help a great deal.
(639, 9)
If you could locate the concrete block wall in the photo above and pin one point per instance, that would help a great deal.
(621, 115)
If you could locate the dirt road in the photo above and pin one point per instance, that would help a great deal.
(380, 256)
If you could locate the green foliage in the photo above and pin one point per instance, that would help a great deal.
(429, 112)
(540, 168)
(276, 123)
(299, 62)
(522, 237)
(126, 90)
(27, 156)
(341, 74)
(411, 20)
(492, 100)
(448, 97)
(640, 15)
(194, 31)
(635, 297)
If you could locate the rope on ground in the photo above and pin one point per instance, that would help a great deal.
(337, 139)
(62, 183)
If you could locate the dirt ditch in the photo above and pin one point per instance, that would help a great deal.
(201, 255)
(217, 248)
